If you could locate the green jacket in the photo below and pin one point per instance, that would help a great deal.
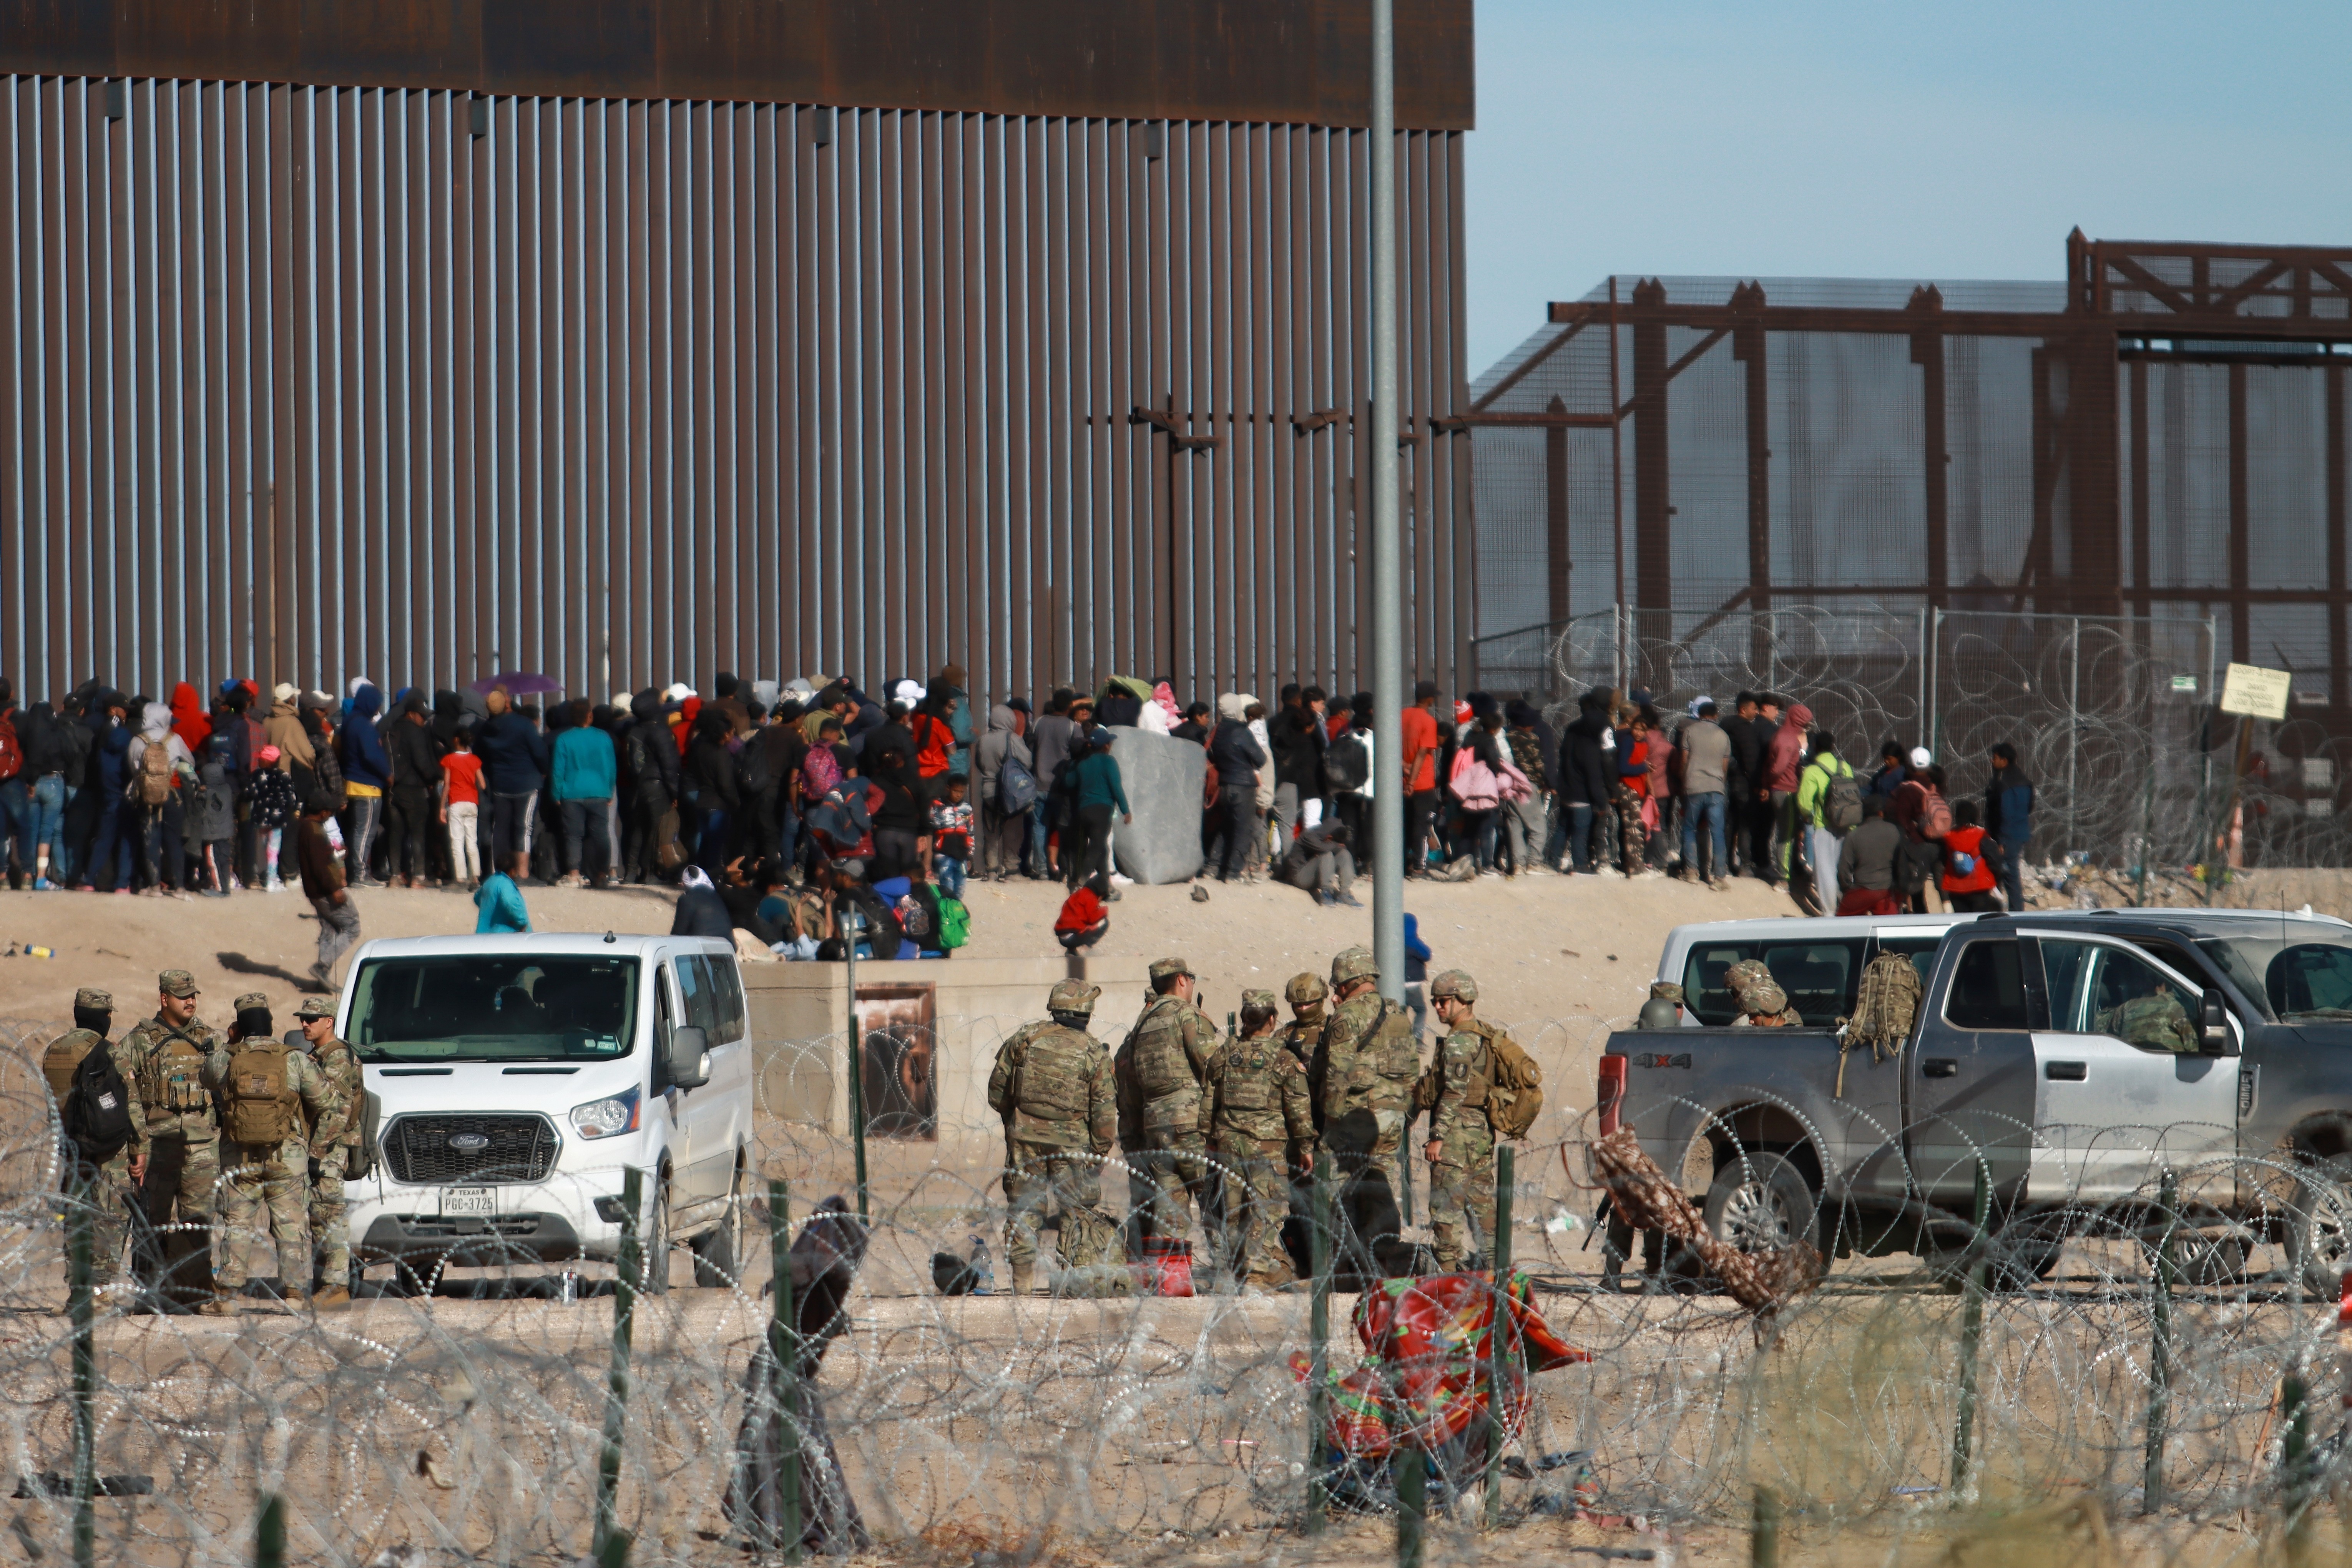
(1813, 787)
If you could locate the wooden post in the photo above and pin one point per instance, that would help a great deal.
(1972, 1327)
(784, 1350)
(616, 1395)
(2160, 1353)
(1319, 1337)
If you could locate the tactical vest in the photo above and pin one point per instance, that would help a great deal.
(1159, 1061)
(332, 1122)
(1391, 1049)
(175, 1076)
(1245, 1081)
(64, 1055)
(1467, 1076)
(263, 1107)
(1050, 1083)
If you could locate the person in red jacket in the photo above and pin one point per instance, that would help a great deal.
(1085, 918)
(1968, 879)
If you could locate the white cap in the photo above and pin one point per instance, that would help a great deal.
(907, 691)
(1921, 756)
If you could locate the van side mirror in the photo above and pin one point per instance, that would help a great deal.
(2213, 1036)
(687, 1062)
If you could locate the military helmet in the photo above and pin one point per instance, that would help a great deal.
(1658, 1013)
(1354, 963)
(1071, 996)
(1456, 984)
(1305, 990)
(1258, 1002)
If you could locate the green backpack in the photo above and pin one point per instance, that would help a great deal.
(955, 923)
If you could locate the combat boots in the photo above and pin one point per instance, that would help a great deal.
(333, 1299)
(1024, 1279)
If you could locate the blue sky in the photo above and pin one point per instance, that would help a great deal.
(1847, 139)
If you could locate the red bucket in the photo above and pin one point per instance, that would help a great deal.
(1165, 1268)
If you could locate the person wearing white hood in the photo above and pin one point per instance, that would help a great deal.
(155, 786)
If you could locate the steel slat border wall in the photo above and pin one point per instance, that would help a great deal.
(312, 383)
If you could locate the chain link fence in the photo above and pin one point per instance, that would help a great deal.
(2112, 717)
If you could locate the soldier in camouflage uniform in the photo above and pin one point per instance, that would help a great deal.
(163, 1059)
(1762, 1004)
(2156, 1021)
(1159, 1068)
(1362, 1077)
(1052, 1085)
(1306, 994)
(1261, 1122)
(110, 1187)
(265, 1083)
(334, 1139)
(1461, 1147)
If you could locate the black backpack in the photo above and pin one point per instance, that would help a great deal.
(96, 1113)
(1347, 764)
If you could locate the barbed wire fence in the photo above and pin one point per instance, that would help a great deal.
(468, 1423)
(2112, 717)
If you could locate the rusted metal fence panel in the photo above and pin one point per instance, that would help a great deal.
(312, 383)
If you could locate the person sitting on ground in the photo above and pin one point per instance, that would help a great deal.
(1867, 863)
(701, 910)
(499, 897)
(1085, 917)
(744, 891)
(1320, 861)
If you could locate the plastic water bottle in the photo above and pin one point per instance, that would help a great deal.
(983, 1272)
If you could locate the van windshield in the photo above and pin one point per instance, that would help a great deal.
(477, 1007)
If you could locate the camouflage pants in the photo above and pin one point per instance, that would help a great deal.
(331, 1218)
(276, 1178)
(1257, 1197)
(109, 1193)
(179, 1192)
(1164, 1184)
(1462, 1206)
(1632, 838)
(1070, 1180)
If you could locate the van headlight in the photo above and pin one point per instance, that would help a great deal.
(606, 1118)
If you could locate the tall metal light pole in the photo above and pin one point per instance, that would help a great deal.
(1387, 666)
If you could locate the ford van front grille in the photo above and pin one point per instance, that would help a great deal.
(436, 1150)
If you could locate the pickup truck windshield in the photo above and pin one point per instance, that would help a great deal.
(2303, 975)
(479, 1008)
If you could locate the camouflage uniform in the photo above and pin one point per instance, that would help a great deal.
(1052, 1085)
(1306, 994)
(2153, 1023)
(1261, 1121)
(334, 1147)
(1363, 1076)
(107, 1186)
(1762, 1004)
(165, 1068)
(276, 1175)
(1453, 1093)
(1159, 1070)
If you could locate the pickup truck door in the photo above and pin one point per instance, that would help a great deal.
(2113, 1112)
(1969, 1079)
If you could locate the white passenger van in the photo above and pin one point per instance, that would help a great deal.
(519, 1075)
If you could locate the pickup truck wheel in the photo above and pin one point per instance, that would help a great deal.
(2319, 1231)
(1761, 1202)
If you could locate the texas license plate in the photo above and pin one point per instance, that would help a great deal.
(466, 1201)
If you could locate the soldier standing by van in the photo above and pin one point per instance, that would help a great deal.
(1261, 1123)
(1461, 1147)
(1362, 1079)
(1159, 1069)
(334, 1141)
(163, 1059)
(269, 1092)
(108, 1183)
(1052, 1085)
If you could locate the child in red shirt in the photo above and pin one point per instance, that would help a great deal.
(1968, 878)
(461, 805)
(1085, 917)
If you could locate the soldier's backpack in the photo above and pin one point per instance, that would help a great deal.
(1514, 1085)
(152, 787)
(65, 1054)
(1886, 1005)
(1841, 804)
(263, 1107)
(97, 1109)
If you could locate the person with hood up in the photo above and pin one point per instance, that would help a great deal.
(283, 728)
(156, 796)
(1822, 842)
(652, 765)
(701, 910)
(1586, 781)
(2009, 822)
(108, 867)
(1160, 715)
(367, 774)
(414, 834)
(214, 818)
(711, 790)
(1784, 755)
(1236, 756)
(1002, 835)
(189, 721)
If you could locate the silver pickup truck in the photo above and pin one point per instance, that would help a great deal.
(2013, 1063)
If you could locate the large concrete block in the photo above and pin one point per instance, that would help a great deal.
(1163, 778)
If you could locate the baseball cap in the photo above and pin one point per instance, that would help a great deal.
(176, 982)
(316, 1007)
(1921, 757)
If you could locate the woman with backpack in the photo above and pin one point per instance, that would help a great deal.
(1925, 817)
(1829, 805)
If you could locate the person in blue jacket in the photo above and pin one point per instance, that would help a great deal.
(585, 766)
(1416, 973)
(499, 897)
(2009, 821)
(367, 774)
